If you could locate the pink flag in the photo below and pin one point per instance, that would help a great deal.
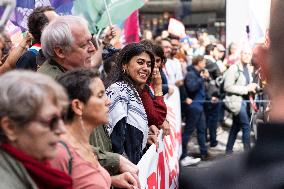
(131, 28)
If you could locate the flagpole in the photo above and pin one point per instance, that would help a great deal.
(97, 38)
(108, 15)
(9, 6)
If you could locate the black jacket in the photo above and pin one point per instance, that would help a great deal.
(194, 86)
(126, 140)
(261, 168)
(211, 88)
(27, 61)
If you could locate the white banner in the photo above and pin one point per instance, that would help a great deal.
(176, 28)
(159, 168)
(247, 16)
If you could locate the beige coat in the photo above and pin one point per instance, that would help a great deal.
(235, 87)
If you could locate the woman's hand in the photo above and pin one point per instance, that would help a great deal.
(153, 135)
(125, 180)
(157, 79)
(166, 128)
(127, 166)
(157, 82)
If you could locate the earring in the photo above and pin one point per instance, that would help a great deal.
(123, 71)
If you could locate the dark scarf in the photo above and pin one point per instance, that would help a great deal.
(42, 173)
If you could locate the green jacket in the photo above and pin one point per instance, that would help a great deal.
(51, 68)
(99, 139)
(13, 174)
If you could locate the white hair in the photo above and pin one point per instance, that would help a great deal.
(22, 94)
(58, 33)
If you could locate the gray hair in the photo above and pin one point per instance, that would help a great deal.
(58, 33)
(22, 94)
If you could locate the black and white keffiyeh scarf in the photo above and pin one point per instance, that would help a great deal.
(125, 103)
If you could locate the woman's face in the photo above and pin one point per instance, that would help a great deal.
(139, 69)
(158, 62)
(96, 109)
(39, 137)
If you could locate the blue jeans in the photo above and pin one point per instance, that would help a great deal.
(212, 116)
(240, 121)
(195, 118)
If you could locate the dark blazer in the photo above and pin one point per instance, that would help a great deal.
(211, 88)
(27, 61)
(194, 87)
(260, 168)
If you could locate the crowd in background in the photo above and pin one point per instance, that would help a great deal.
(214, 83)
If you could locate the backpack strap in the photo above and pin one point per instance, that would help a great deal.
(70, 157)
(239, 74)
(222, 81)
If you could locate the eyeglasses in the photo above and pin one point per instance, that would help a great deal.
(52, 123)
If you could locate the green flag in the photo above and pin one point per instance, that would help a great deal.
(91, 10)
(94, 11)
(119, 10)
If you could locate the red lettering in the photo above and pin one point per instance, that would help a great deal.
(152, 181)
(161, 170)
(172, 176)
(169, 147)
(172, 173)
(173, 141)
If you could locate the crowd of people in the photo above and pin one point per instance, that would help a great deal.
(78, 113)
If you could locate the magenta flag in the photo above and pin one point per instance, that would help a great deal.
(131, 28)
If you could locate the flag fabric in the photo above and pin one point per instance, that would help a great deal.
(119, 10)
(25, 7)
(93, 11)
(21, 13)
(176, 28)
(90, 10)
(14, 32)
(96, 15)
(62, 7)
(131, 28)
(258, 21)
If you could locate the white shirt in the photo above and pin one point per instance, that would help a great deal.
(173, 71)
